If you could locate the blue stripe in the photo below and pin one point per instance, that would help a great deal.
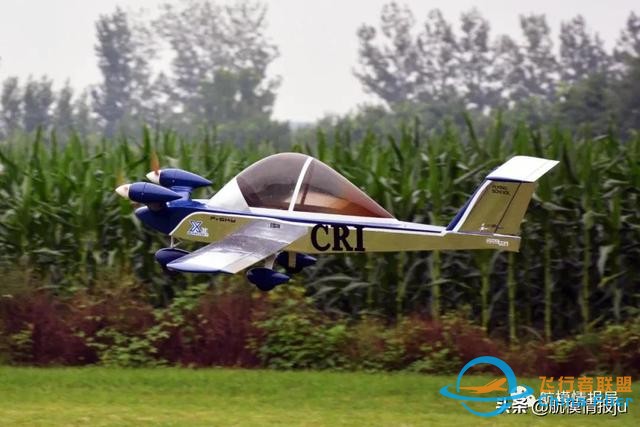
(168, 219)
(318, 221)
(461, 212)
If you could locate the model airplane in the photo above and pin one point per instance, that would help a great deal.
(289, 205)
(495, 385)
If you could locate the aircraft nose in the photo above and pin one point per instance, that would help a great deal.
(123, 191)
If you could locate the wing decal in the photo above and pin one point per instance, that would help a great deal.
(240, 249)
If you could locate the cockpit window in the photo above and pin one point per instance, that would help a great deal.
(324, 190)
(270, 182)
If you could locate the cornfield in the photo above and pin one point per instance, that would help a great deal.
(63, 228)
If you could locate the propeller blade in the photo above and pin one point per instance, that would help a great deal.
(155, 166)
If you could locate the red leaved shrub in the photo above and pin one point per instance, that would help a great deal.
(36, 331)
(215, 333)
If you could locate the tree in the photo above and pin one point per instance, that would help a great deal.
(539, 66)
(475, 59)
(37, 103)
(625, 89)
(587, 102)
(628, 45)
(220, 60)
(581, 54)
(63, 116)
(82, 120)
(509, 69)
(438, 50)
(10, 105)
(389, 67)
(125, 72)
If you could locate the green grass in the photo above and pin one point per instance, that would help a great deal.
(221, 397)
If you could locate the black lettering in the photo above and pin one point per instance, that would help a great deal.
(359, 239)
(314, 237)
(340, 234)
(500, 189)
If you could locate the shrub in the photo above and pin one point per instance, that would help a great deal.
(373, 346)
(293, 334)
(211, 328)
(617, 348)
(443, 346)
(36, 330)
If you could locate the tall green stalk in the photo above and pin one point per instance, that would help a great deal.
(511, 291)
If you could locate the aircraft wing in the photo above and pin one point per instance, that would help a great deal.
(240, 249)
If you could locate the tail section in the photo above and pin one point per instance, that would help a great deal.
(499, 204)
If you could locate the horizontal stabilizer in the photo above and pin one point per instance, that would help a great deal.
(522, 169)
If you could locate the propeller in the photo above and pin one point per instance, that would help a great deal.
(154, 175)
(166, 185)
(147, 192)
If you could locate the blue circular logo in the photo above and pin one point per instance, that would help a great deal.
(511, 387)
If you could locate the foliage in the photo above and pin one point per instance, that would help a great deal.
(283, 330)
(114, 348)
(124, 65)
(293, 334)
(437, 67)
(66, 229)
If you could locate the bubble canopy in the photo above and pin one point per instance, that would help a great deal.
(277, 180)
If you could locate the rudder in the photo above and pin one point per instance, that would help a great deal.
(499, 204)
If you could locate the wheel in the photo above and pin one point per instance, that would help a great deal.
(265, 287)
(266, 279)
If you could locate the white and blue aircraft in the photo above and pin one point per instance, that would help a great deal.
(289, 205)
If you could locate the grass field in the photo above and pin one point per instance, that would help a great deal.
(221, 397)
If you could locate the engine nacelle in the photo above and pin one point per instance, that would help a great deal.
(177, 178)
(146, 192)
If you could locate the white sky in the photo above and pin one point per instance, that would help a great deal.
(317, 40)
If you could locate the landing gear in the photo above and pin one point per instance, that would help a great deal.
(293, 262)
(166, 255)
(266, 279)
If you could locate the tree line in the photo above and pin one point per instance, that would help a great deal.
(217, 58)
(440, 70)
(217, 55)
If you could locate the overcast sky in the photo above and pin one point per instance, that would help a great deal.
(317, 40)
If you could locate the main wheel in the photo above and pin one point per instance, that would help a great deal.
(265, 287)
(266, 279)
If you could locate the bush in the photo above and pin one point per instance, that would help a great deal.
(232, 325)
(293, 334)
(444, 346)
(212, 328)
(36, 330)
(619, 349)
(372, 345)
